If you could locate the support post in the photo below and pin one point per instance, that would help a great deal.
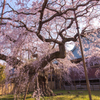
(83, 59)
(85, 69)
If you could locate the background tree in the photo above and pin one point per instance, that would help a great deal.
(2, 75)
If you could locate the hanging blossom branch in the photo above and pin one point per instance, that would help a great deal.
(20, 22)
(14, 60)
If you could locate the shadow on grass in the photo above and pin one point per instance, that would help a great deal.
(6, 98)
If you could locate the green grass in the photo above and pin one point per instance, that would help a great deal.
(73, 95)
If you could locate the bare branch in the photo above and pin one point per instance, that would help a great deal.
(3, 10)
(41, 16)
(14, 60)
(19, 12)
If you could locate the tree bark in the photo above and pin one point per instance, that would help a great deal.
(43, 84)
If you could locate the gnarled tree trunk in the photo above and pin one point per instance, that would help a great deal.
(43, 84)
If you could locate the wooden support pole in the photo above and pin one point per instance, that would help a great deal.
(83, 59)
(85, 69)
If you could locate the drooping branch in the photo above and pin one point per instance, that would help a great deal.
(34, 66)
(12, 39)
(10, 60)
(17, 26)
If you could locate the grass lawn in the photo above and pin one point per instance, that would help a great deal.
(72, 95)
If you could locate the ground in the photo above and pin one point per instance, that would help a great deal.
(62, 95)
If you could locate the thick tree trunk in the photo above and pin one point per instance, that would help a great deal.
(43, 84)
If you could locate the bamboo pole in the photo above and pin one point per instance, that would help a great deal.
(83, 59)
